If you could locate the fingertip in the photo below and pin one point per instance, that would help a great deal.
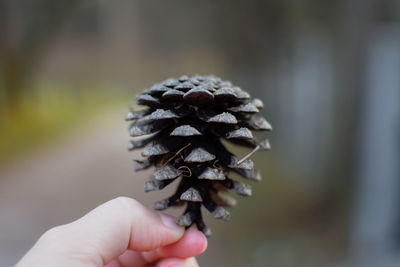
(176, 262)
(191, 244)
(199, 239)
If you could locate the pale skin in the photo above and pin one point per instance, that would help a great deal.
(118, 233)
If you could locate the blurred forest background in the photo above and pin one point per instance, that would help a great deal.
(329, 75)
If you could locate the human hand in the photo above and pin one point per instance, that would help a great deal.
(120, 232)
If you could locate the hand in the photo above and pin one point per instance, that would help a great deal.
(120, 232)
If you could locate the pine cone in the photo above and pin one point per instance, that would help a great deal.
(185, 120)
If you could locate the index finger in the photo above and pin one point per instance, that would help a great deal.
(190, 245)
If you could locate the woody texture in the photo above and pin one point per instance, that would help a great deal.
(181, 131)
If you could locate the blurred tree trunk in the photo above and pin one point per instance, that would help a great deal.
(14, 79)
(375, 224)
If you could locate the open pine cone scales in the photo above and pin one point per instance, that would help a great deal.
(183, 124)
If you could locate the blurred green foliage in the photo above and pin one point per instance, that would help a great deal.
(47, 112)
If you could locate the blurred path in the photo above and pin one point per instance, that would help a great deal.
(60, 183)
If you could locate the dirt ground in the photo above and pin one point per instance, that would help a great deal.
(62, 181)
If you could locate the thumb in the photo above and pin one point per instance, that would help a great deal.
(103, 234)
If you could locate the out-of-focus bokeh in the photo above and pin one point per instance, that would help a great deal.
(329, 75)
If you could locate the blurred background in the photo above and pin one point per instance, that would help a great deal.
(327, 71)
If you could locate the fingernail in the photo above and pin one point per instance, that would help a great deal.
(170, 223)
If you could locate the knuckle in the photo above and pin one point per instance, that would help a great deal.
(52, 234)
